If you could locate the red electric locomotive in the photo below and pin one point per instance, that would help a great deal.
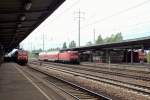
(20, 56)
(69, 56)
(65, 56)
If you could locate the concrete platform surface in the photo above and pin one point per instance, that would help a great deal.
(15, 86)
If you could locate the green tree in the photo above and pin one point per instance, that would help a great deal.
(64, 45)
(49, 50)
(30, 54)
(72, 44)
(118, 37)
(99, 40)
(58, 48)
(148, 57)
(37, 51)
(89, 43)
(110, 39)
(40, 50)
(114, 38)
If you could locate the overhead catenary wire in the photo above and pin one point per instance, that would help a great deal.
(100, 20)
(136, 35)
(117, 13)
(71, 6)
(130, 26)
(133, 26)
(67, 9)
(136, 24)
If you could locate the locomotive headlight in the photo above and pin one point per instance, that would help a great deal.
(28, 5)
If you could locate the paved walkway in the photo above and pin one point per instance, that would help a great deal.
(15, 86)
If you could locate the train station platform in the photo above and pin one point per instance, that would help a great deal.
(15, 86)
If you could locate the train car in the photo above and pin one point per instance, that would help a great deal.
(69, 56)
(48, 56)
(138, 56)
(53, 56)
(142, 56)
(64, 57)
(43, 56)
(20, 56)
(86, 56)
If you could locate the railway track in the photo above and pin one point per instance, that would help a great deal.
(74, 91)
(119, 67)
(130, 86)
(108, 71)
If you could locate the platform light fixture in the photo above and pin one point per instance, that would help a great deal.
(23, 17)
(28, 5)
(17, 30)
(19, 25)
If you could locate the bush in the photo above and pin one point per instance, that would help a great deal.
(148, 57)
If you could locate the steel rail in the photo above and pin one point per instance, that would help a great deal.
(130, 86)
(102, 97)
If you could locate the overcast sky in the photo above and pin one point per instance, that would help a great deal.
(130, 17)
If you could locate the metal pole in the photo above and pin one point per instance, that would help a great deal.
(107, 56)
(79, 24)
(109, 59)
(142, 51)
(43, 41)
(31, 46)
(131, 56)
(94, 35)
(79, 27)
(126, 55)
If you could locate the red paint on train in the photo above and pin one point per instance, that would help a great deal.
(20, 56)
(66, 56)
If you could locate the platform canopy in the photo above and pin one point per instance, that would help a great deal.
(138, 43)
(18, 18)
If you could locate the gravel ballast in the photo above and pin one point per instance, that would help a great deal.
(116, 93)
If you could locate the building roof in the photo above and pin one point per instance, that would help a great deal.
(137, 43)
(18, 18)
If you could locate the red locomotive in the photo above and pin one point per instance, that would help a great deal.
(20, 56)
(65, 57)
(138, 56)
